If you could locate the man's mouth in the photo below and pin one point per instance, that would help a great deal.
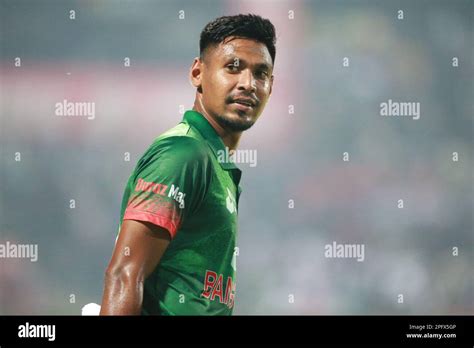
(244, 104)
(248, 102)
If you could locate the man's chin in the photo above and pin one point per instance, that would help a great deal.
(236, 122)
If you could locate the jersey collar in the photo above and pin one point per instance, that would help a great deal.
(198, 121)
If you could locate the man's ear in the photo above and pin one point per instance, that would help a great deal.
(195, 73)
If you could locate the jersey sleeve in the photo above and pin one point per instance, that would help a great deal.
(170, 183)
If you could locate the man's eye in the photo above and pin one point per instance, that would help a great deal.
(262, 74)
(233, 68)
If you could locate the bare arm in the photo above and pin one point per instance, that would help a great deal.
(137, 252)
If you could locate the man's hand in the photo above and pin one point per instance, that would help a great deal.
(137, 252)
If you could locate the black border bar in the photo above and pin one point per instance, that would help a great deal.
(141, 330)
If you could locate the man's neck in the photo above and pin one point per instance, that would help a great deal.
(230, 139)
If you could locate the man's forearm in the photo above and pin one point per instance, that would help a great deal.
(123, 295)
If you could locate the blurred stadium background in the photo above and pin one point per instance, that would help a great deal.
(336, 109)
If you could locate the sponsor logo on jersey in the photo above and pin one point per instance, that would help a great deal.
(216, 290)
(146, 186)
(160, 189)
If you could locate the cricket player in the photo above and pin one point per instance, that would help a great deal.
(175, 250)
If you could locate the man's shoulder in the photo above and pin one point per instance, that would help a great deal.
(180, 143)
(181, 129)
(180, 138)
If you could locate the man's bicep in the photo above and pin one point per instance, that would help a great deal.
(139, 248)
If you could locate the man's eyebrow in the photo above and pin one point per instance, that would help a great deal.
(261, 66)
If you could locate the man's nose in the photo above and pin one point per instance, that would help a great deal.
(247, 81)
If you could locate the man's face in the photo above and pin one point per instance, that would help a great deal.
(236, 82)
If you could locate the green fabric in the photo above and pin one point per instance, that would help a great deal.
(180, 185)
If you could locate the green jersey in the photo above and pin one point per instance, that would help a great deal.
(180, 185)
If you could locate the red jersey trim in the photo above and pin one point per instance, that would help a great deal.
(155, 219)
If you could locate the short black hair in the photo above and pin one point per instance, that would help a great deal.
(247, 26)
